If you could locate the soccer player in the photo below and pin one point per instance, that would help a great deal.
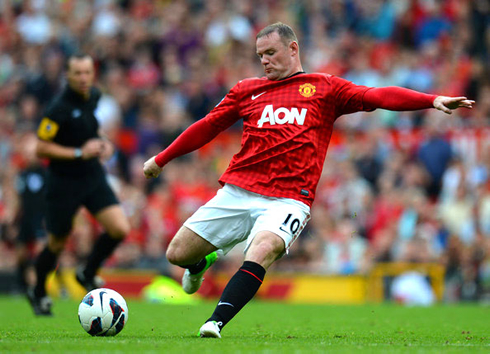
(69, 137)
(270, 183)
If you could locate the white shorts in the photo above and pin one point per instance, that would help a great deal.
(235, 215)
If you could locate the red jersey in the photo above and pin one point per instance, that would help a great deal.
(287, 125)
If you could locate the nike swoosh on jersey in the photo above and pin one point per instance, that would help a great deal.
(260, 94)
(225, 303)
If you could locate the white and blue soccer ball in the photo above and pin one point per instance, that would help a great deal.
(103, 312)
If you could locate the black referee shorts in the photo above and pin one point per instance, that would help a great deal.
(66, 194)
(31, 228)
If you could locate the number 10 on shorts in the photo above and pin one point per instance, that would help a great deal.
(293, 225)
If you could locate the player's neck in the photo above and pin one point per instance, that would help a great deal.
(294, 73)
(79, 95)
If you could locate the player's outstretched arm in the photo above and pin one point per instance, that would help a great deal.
(194, 137)
(396, 98)
(448, 104)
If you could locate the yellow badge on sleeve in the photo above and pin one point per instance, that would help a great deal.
(47, 129)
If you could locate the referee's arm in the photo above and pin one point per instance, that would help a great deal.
(107, 146)
(48, 149)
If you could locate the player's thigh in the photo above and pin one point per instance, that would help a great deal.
(187, 247)
(63, 199)
(225, 220)
(114, 221)
(60, 213)
(100, 195)
(284, 218)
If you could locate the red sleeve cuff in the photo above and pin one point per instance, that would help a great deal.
(160, 159)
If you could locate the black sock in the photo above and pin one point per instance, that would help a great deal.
(196, 268)
(238, 292)
(101, 250)
(45, 263)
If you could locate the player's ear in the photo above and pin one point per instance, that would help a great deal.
(294, 48)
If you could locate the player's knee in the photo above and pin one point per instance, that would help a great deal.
(270, 244)
(268, 249)
(120, 230)
(176, 253)
(173, 255)
(265, 249)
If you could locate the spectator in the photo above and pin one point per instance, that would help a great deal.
(435, 153)
(341, 249)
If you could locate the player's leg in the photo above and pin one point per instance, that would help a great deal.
(103, 204)
(63, 199)
(44, 264)
(61, 207)
(265, 248)
(279, 223)
(116, 227)
(189, 250)
(221, 223)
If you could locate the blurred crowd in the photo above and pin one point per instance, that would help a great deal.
(396, 187)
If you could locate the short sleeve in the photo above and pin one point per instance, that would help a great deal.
(226, 113)
(348, 96)
(50, 123)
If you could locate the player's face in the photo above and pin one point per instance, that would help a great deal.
(80, 75)
(276, 57)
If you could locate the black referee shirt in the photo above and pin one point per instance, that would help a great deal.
(69, 120)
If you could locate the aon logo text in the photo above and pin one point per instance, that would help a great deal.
(282, 116)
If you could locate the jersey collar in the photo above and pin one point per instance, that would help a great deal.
(75, 96)
(290, 76)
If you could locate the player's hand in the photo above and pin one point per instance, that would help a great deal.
(151, 169)
(92, 148)
(447, 104)
(107, 149)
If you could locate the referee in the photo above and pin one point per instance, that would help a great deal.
(69, 137)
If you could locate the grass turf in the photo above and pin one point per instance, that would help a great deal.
(261, 327)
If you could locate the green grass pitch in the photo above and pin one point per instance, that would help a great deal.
(261, 327)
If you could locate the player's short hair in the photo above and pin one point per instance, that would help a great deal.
(285, 32)
(78, 55)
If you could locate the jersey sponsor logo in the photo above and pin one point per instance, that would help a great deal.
(282, 115)
(255, 97)
(307, 90)
(47, 129)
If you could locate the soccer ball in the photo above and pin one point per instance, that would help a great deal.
(103, 312)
